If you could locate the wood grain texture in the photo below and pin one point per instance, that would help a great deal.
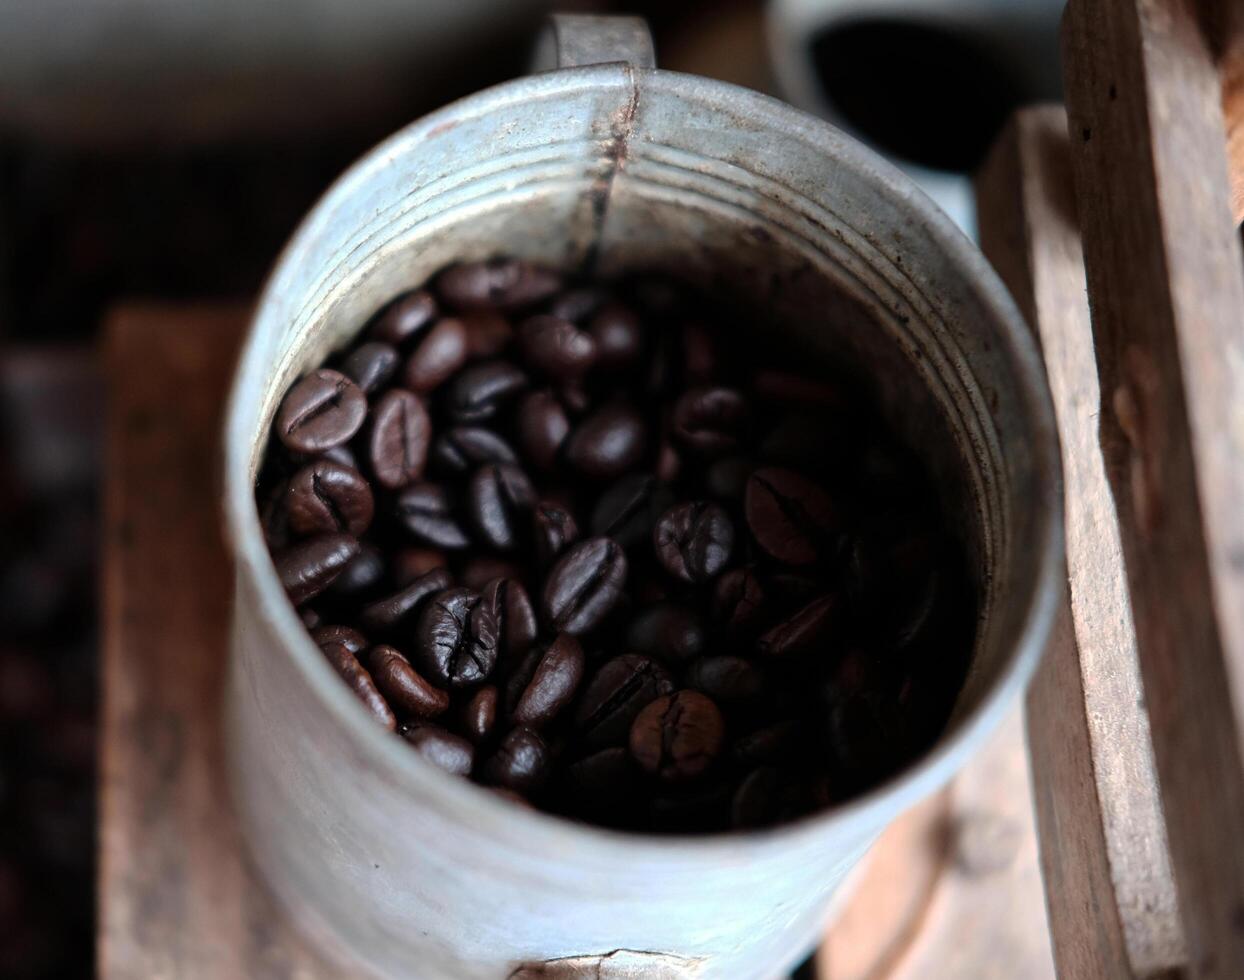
(1112, 901)
(176, 896)
(1167, 293)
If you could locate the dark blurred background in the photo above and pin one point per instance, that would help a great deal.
(166, 151)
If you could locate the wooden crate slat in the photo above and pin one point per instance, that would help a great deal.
(1166, 287)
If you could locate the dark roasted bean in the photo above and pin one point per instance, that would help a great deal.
(775, 745)
(499, 499)
(583, 585)
(678, 736)
(757, 800)
(710, 421)
(322, 410)
(360, 682)
(309, 567)
(342, 456)
(605, 780)
(694, 541)
(442, 748)
(426, 512)
(553, 530)
(622, 688)
(699, 352)
(404, 318)
(384, 614)
(672, 633)
(542, 429)
(371, 366)
(456, 639)
(401, 684)
(521, 763)
(555, 348)
(437, 355)
(728, 680)
(619, 337)
(628, 510)
(363, 574)
(480, 390)
(488, 334)
(411, 563)
(325, 498)
(738, 599)
(813, 624)
(400, 434)
(576, 305)
(496, 284)
(545, 682)
(790, 518)
(347, 636)
(481, 570)
(607, 443)
(464, 447)
(480, 715)
(510, 607)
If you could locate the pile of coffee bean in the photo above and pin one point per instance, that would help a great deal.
(616, 552)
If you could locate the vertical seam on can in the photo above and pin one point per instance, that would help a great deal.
(616, 150)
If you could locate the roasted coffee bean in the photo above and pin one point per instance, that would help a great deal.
(480, 390)
(553, 530)
(791, 518)
(545, 682)
(480, 715)
(400, 433)
(326, 498)
(812, 625)
(669, 464)
(322, 410)
(488, 334)
(360, 682)
(426, 511)
(371, 366)
(499, 499)
(456, 639)
(678, 736)
(672, 633)
(274, 517)
(480, 571)
(542, 429)
(608, 443)
(619, 336)
(437, 355)
(402, 686)
(701, 360)
(342, 456)
(757, 800)
(583, 585)
(496, 284)
(628, 510)
(694, 541)
(384, 614)
(612, 698)
(576, 305)
(556, 348)
(464, 447)
(510, 607)
(738, 599)
(404, 318)
(728, 680)
(442, 748)
(411, 563)
(520, 764)
(774, 745)
(350, 638)
(309, 567)
(711, 421)
(363, 574)
(726, 478)
(575, 398)
(605, 779)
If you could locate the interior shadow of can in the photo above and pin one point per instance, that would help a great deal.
(932, 95)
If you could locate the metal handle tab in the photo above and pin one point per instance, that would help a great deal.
(576, 40)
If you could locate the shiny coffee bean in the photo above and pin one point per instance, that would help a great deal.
(437, 356)
(739, 599)
(553, 530)
(479, 718)
(728, 680)
(350, 638)
(442, 748)
(813, 625)
(619, 335)
(385, 614)
(711, 421)
(510, 607)
(342, 456)
(411, 563)
(555, 348)
(608, 443)
(405, 318)
(326, 498)
(678, 736)
(402, 686)
(360, 682)
(499, 499)
(628, 510)
(521, 763)
(790, 517)
(583, 585)
(464, 447)
(694, 540)
(400, 434)
(757, 800)
(309, 567)
(576, 305)
(363, 574)
(456, 639)
(322, 410)
(371, 366)
(575, 398)
(542, 429)
(488, 334)
(545, 682)
(481, 390)
(617, 692)
(673, 634)
(426, 511)
(478, 572)
(496, 284)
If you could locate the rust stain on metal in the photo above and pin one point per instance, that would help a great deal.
(622, 124)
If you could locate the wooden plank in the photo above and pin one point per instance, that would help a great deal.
(1112, 901)
(176, 897)
(1164, 277)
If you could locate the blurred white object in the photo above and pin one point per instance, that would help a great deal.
(938, 74)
